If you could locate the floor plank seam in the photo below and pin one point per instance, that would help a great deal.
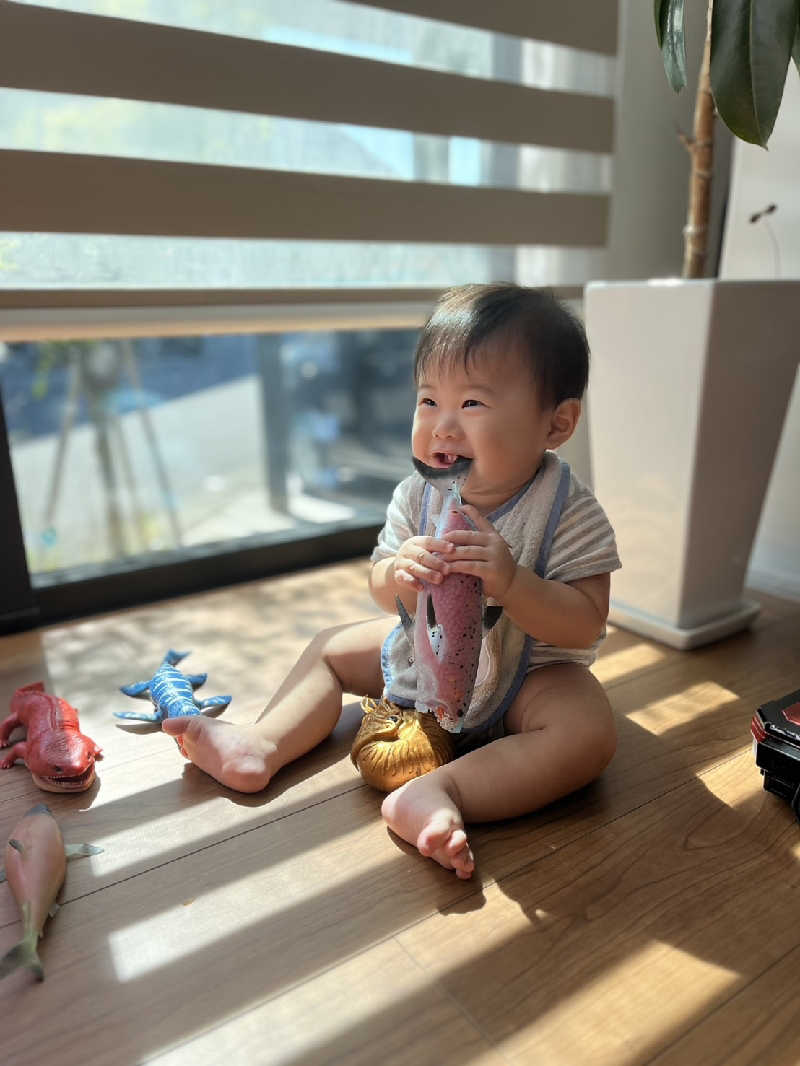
(485, 883)
(434, 981)
(528, 866)
(740, 753)
(709, 1014)
(654, 669)
(207, 847)
(283, 991)
(345, 958)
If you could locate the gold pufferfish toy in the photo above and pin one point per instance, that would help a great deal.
(394, 745)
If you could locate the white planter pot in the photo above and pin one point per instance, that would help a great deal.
(690, 382)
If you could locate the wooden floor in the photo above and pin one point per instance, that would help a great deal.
(652, 918)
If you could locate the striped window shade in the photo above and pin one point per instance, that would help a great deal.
(352, 159)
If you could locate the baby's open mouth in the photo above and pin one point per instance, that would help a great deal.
(444, 467)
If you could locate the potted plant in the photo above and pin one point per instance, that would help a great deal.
(691, 377)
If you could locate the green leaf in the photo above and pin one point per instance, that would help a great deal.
(751, 42)
(657, 5)
(669, 33)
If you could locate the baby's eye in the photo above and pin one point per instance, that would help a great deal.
(426, 401)
(472, 403)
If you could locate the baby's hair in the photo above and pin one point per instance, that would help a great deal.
(488, 318)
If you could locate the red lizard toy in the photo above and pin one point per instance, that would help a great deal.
(59, 757)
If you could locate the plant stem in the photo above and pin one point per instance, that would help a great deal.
(701, 151)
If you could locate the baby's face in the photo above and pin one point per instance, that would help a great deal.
(489, 412)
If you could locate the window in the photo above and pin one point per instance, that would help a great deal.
(125, 448)
(200, 185)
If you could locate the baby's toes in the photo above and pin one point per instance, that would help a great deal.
(434, 837)
(456, 843)
(463, 862)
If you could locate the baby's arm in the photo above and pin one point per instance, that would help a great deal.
(404, 573)
(568, 614)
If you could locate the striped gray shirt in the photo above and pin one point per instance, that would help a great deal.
(582, 545)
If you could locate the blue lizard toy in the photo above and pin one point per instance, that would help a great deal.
(171, 692)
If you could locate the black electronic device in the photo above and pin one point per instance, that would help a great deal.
(776, 741)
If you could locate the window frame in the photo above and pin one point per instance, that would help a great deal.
(41, 599)
(66, 51)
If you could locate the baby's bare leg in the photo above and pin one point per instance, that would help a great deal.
(302, 712)
(561, 736)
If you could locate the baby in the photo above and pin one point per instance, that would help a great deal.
(500, 371)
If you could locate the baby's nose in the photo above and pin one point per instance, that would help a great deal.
(446, 426)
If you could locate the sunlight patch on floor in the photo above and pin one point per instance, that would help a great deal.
(749, 784)
(335, 1014)
(626, 661)
(624, 1029)
(679, 708)
(156, 835)
(181, 930)
(237, 904)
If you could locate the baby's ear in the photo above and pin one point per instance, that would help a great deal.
(563, 421)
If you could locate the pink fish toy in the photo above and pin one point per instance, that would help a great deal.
(35, 867)
(451, 618)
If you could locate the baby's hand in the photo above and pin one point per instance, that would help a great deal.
(483, 553)
(416, 562)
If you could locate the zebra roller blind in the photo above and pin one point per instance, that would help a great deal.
(174, 152)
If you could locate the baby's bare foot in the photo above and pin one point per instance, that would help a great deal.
(423, 813)
(236, 755)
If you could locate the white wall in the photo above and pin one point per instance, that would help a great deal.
(770, 248)
(651, 165)
(648, 213)
(651, 168)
